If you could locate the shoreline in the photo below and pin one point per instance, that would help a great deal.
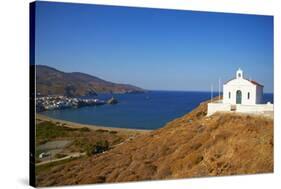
(92, 127)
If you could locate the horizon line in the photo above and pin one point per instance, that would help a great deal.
(176, 90)
(179, 90)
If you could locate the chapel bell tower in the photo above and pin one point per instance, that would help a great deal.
(239, 74)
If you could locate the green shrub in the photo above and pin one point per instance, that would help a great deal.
(84, 129)
(101, 130)
(97, 148)
(113, 132)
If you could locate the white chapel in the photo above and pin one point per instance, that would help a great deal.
(241, 95)
(242, 91)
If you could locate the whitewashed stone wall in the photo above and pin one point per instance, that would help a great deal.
(258, 108)
(215, 107)
(253, 109)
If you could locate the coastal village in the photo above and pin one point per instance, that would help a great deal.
(62, 102)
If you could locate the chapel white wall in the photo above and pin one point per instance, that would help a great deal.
(244, 86)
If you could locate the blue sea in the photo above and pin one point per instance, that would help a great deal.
(150, 110)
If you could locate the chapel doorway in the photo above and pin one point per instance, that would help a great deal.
(238, 97)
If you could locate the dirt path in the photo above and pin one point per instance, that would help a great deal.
(73, 155)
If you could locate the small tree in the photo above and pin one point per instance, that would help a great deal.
(97, 148)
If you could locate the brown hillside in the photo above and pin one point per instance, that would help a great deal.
(50, 81)
(190, 146)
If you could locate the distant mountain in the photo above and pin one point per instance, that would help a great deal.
(50, 81)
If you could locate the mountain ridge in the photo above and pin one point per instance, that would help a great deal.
(51, 81)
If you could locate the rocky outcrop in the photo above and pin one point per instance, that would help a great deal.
(112, 101)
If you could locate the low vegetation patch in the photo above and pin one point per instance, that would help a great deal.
(101, 130)
(48, 130)
(84, 129)
(97, 148)
(113, 132)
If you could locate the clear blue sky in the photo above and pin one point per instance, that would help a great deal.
(154, 48)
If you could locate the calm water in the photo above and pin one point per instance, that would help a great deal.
(149, 110)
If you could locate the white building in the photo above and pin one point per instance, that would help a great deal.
(241, 95)
(242, 91)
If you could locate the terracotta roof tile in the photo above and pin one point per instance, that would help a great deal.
(256, 83)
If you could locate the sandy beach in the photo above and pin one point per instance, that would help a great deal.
(93, 127)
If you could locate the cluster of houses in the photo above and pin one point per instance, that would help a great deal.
(62, 102)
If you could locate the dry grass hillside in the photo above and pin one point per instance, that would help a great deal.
(191, 146)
